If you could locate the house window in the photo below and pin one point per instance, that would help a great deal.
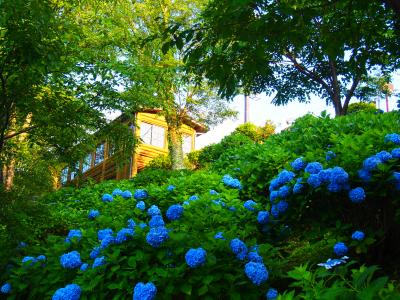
(186, 143)
(64, 175)
(87, 163)
(74, 170)
(152, 134)
(111, 149)
(99, 157)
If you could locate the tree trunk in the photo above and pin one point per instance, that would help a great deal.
(175, 148)
(9, 172)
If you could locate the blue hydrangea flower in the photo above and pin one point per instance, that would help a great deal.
(107, 241)
(325, 175)
(249, 205)
(170, 188)
(71, 260)
(156, 236)
(364, 175)
(193, 198)
(298, 188)
(339, 175)
(330, 263)
(30, 259)
(263, 217)
(143, 291)
(371, 163)
(393, 137)
(117, 192)
(156, 221)
(285, 176)
(102, 233)
(141, 205)
(174, 212)
(73, 234)
(274, 184)
(213, 192)
(93, 214)
(255, 257)
(298, 164)
(131, 223)
(256, 272)
(239, 248)
(340, 249)
(358, 235)
(284, 191)
(41, 258)
(22, 244)
(314, 180)
(396, 153)
(357, 195)
(126, 194)
(5, 288)
(329, 155)
(273, 195)
(272, 294)
(384, 156)
(232, 208)
(123, 235)
(107, 198)
(219, 202)
(94, 253)
(153, 211)
(69, 292)
(195, 257)
(142, 225)
(140, 194)
(219, 235)
(99, 261)
(275, 211)
(313, 167)
(231, 182)
(84, 267)
(282, 206)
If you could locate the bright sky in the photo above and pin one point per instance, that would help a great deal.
(262, 110)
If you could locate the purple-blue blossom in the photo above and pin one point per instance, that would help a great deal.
(141, 205)
(71, 260)
(195, 257)
(358, 235)
(249, 205)
(99, 261)
(107, 198)
(357, 195)
(140, 194)
(298, 164)
(156, 221)
(238, 248)
(263, 217)
(313, 167)
(340, 249)
(93, 214)
(393, 137)
(256, 272)
(69, 292)
(144, 291)
(156, 236)
(272, 294)
(153, 210)
(174, 212)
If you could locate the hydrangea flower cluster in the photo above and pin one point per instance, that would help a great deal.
(99, 261)
(93, 214)
(144, 291)
(219, 236)
(249, 205)
(256, 272)
(340, 249)
(393, 138)
(255, 257)
(239, 248)
(131, 223)
(107, 198)
(263, 217)
(195, 257)
(70, 292)
(94, 253)
(141, 205)
(330, 263)
(102, 233)
(71, 260)
(193, 198)
(84, 267)
(156, 221)
(140, 194)
(213, 193)
(29, 259)
(174, 212)
(73, 234)
(107, 241)
(126, 194)
(357, 195)
(123, 235)
(272, 294)
(5, 288)
(153, 211)
(313, 167)
(358, 235)
(41, 258)
(117, 192)
(229, 181)
(156, 236)
(298, 164)
(329, 155)
(170, 188)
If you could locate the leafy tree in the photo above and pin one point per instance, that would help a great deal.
(291, 49)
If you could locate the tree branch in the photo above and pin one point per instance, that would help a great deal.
(11, 135)
(350, 93)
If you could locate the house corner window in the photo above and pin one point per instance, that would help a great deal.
(99, 156)
(87, 163)
(64, 175)
(152, 134)
(186, 143)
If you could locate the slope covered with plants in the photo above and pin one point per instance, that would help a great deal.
(310, 213)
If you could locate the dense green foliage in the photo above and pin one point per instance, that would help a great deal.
(291, 246)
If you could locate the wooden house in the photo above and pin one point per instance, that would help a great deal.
(152, 130)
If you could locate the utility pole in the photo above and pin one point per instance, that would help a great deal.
(246, 108)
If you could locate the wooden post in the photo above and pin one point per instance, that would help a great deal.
(104, 162)
(246, 108)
